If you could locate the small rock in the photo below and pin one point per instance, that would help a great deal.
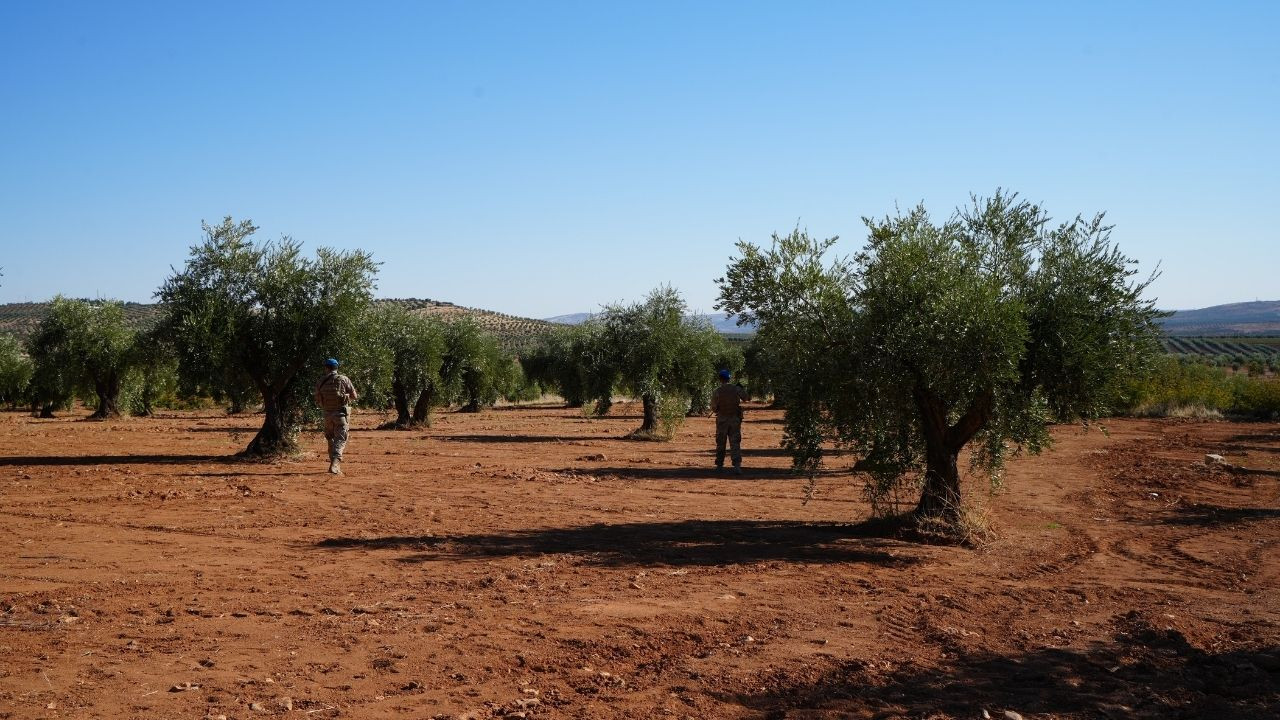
(207, 663)
(286, 703)
(635, 586)
(257, 707)
(181, 687)
(1011, 715)
(1212, 459)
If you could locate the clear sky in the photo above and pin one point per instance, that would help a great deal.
(540, 158)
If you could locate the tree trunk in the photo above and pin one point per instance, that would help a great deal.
(650, 404)
(108, 390)
(940, 497)
(472, 406)
(274, 438)
(422, 408)
(42, 409)
(401, 395)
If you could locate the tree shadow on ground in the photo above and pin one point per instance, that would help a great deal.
(60, 460)
(1255, 437)
(686, 542)
(522, 438)
(1145, 673)
(1208, 515)
(701, 472)
(1243, 448)
(227, 430)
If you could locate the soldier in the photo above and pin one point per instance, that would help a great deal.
(334, 393)
(726, 403)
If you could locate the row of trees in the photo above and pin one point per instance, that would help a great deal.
(653, 350)
(247, 324)
(974, 332)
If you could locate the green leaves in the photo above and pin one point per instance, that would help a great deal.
(240, 313)
(16, 370)
(982, 327)
(80, 346)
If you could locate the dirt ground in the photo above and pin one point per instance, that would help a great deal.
(532, 563)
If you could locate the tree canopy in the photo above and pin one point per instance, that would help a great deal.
(266, 313)
(980, 329)
(81, 345)
(402, 356)
(16, 370)
(656, 352)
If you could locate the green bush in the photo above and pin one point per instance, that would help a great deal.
(1181, 388)
(1257, 398)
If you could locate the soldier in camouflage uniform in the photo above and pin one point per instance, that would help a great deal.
(334, 393)
(726, 403)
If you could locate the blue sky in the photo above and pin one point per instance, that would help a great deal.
(545, 158)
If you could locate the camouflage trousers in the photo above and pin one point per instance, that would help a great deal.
(729, 429)
(335, 431)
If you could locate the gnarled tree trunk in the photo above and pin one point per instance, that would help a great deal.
(940, 496)
(274, 438)
(422, 408)
(108, 391)
(650, 422)
(400, 394)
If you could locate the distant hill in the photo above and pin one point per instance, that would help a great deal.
(1236, 319)
(726, 325)
(515, 332)
(1248, 318)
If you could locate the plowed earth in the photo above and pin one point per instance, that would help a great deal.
(533, 563)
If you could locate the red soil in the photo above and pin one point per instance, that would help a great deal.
(532, 563)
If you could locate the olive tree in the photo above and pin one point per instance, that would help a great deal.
(408, 349)
(153, 372)
(478, 370)
(656, 352)
(571, 361)
(81, 345)
(266, 312)
(15, 371)
(977, 331)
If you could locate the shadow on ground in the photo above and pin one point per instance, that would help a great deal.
(688, 542)
(1141, 673)
(522, 438)
(697, 472)
(1209, 515)
(36, 460)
